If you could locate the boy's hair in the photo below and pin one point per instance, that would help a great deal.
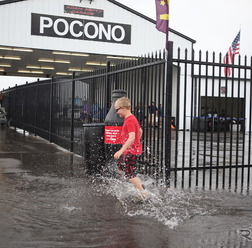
(123, 102)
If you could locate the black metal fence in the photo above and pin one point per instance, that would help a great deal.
(213, 112)
(197, 122)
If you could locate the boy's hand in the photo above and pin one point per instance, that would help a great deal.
(117, 155)
(126, 145)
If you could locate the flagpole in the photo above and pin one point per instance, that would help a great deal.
(167, 30)
(162, 24)
(167, 113)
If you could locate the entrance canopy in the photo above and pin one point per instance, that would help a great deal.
(18, 61)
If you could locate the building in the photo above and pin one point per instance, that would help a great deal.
(56, 37)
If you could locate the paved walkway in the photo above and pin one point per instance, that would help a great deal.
(46, 200)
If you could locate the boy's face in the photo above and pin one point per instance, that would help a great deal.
(120, 110)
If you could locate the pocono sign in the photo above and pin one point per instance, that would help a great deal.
(71, 28)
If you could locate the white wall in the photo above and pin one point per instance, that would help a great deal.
(15, 25)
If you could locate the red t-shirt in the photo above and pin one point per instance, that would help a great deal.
(131, 124)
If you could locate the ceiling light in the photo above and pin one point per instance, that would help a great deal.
(23, 71)
(54, 61)
(62, 61)
(40, 67)
(34, 72)
(6, 48)
(37, 72)
(71, 54)
(16, 49)
(47, 68)
(80, 54)
(63, 73)
(1, 69)
(4, 65)
(61, 53)
(23, 50)
(32, 67)
(74, 69)
(112, 57)
(96, 63)
(46, 60)
(78, 69)
(12, 57)
(126, 58)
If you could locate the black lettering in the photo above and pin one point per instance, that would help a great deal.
(71, 28)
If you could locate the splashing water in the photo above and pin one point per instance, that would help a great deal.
(167, 205)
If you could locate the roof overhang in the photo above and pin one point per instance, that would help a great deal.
(2, 2)
(19, 61)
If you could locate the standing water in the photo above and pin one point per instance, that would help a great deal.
(48, 202)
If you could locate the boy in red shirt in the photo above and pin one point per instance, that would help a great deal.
(132, 148)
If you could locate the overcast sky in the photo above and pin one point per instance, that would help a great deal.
(213, 24)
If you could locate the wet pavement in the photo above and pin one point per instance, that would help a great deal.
(48, 200)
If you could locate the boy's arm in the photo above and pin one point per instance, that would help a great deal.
(126, 145)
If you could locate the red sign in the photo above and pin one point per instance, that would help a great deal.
(83, 11)
(112, 135)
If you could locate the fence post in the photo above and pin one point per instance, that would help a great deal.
(72, 113)
(168, 113)
(51, 111)
(36, 108)
(24, 109)
(108, 90)
(15, 108)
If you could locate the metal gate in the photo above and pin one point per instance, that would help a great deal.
(211, 147)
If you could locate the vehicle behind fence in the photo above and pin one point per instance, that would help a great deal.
(197, 122)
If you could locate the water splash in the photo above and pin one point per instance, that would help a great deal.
(169, 206)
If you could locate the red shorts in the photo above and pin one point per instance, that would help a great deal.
(127, 163)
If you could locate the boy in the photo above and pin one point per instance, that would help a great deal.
(132, 148)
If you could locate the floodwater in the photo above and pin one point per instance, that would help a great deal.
(47, 200)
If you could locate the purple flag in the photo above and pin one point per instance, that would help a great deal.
(162, 24)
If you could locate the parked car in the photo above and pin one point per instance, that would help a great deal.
(3, 118)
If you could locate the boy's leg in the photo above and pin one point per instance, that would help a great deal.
(127, 164)
(137, 183)
(131, 162)
(120, 172)
(121, 165)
